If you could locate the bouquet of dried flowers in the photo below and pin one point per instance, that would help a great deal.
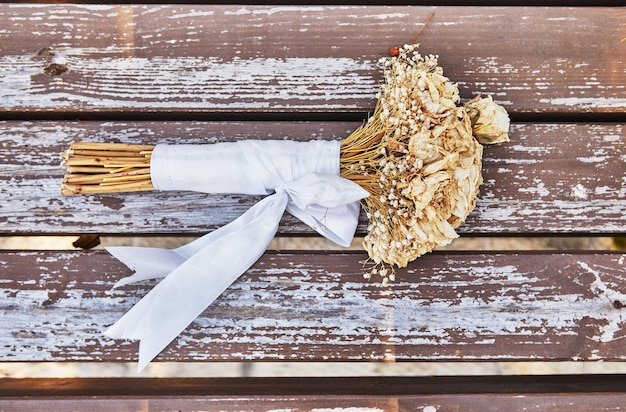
(415, 164)
(418, 156)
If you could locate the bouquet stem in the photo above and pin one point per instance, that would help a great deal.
(106, 168)
(120, 167)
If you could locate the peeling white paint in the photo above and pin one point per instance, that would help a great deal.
(192, 13)
(593, 159)
(615, 320)
(328, 311)
(579, 192)
(539, 190)
(587, 102)
(519, 80)
(134, 82)
(348, 409)
(286, 9)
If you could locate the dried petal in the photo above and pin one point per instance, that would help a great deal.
(491, 121)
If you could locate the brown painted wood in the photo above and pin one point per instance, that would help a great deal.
(317, 306)
(557, 403)
(472, 3)
(336, 386)
(557, 178)
(208, 59)
(559, 393)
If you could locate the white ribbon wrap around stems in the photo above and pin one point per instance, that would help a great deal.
(304, 179)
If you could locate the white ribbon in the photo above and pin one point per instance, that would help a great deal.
(305, 180)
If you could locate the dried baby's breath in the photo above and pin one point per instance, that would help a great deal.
(418, 159)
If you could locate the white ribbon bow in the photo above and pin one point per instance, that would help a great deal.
(305, 180)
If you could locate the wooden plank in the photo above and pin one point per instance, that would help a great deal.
(534, 306)
(309, 386)
(207, 59)
(556, 403)
(557, 178)
(555, 393)
(472, 3)
(363, 403)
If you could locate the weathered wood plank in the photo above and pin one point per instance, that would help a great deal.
(515, 393)
(472, 3)
(307, 306)
(363, 403)
(558, 178)
(333, 386)
(233, 58)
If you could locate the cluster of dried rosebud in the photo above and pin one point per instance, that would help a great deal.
(429, 170)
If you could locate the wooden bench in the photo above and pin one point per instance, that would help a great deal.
(198, 73)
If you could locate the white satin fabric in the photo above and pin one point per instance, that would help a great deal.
(304, 179)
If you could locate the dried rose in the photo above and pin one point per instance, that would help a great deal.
(490, 120)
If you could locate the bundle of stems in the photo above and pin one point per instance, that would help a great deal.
(120, 167)
(94, 167)
(106, 168)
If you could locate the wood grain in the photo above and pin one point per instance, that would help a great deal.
(516, 393)
(602, 393)
(315, 307)
(363, 403)
(212, 59)
(557, 178)
(323, 386)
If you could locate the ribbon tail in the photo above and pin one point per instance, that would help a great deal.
(192, 286)
(148, 263)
